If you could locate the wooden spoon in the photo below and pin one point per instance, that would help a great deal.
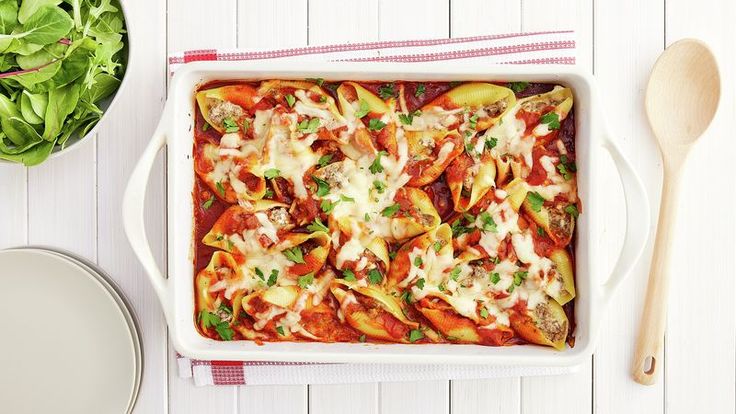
(681, 100)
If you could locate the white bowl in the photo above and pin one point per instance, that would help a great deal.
(176, 293)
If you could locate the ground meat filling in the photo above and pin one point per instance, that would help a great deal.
(221, 110)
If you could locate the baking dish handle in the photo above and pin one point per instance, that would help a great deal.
(637, 220)
(134, 208)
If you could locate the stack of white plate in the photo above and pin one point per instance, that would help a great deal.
(68, 339)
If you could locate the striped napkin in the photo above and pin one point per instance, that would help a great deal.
(552, 47)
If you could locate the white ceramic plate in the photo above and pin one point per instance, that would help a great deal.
(68, 346)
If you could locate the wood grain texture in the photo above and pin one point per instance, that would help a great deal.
(628, 38)
(361, 398)
(120, 141)
(14, 208)
(699, 368)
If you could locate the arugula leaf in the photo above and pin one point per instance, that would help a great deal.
(535, 201)
(363, 110)
(551, 119)
(294, 254)
(317, 225)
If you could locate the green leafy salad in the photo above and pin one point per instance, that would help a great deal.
(58, 60)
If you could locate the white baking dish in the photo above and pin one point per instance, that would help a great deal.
(594, 289)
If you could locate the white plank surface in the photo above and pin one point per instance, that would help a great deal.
(73, 202)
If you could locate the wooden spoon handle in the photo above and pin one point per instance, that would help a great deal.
(648, 354)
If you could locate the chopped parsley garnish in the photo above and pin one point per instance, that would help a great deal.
(212, 320)
(268, 193)
(468, 134)
(230, 245)
(415, 335)
(420, 90)
(551, 119)
(259, 273)
(566, 167)
(420, 283)
(469, 148)
(271, 173)
(374, 276)
(318, 81)
(324, 160)
(305, 280)
(363, 110)
(572, 210)
(208, 203)
(361, 338)
(294, 254)
(518, 86)
(205, 127)
(379, 186)
(406, 297)
(376, 166)
(386, 91)
(437, 246)
(392, 255)
(519, 277)
(473, 120)
(308, 126)
(376, 124)
(418, 261)
(327, 206)
(408, 117)
(488, 223)
(317, 225)
(442, 287)
(495, 277)
(367, 217)
(347, 199)
(322, 99)
(348, 275)
(483, 313)
(491, 143)
(323, 187)
(230, 125)
(246, 125)
(390, 210)
(535, 201)
(220, 188)
(511, 288)
(458, 229)
(290, 100)
(455, 273)
(273, 277)
(280, 330)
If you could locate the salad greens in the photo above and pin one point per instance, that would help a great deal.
(58, 60)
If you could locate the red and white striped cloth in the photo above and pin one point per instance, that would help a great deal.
(552, 47)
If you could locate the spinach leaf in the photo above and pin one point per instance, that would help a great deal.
(8, 108)
(19, 132)
(48, 25)
(62, 102)
(29, 7)
(26, 109)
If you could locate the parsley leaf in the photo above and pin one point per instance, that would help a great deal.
(318, 81)
(458, 229)
(551, 119)
(317, 225)
(323, 187)
(483, 313)
(363, 110)
(348, 275)
(376, 124)
(273, 277)
(518, 86)
(294, 254)
(271, 173)
(408, 117)
(519, 277)
(540, 231)
(566, 167)
(259, 273)
(205, 127)
(376, 166)
(572, 210)
(374, 276)
(488, 223)
(418, 261)
(327, 206)
(308, 126)
(379, 186)
(392, 255)
(220, 188)
(415, 335)
(455, 273)
(324, 160)
(386, 91)
(347, 199)
(208, 203)
(280, 330)
(224, 330)
(473, 120)
(535, 201)
(361, 338)
(268, 193)
(290, 100)
(390, 210)
(495, 278)
(305, 281)
(491, 143)
(437, 246)
(420, 283)
(420, 90)
(230, 125)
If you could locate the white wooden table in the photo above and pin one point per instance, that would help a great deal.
(73, 202)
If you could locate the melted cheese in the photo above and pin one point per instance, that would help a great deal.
(506, 220)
